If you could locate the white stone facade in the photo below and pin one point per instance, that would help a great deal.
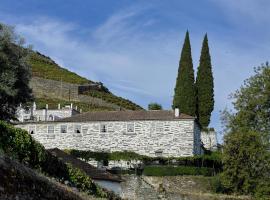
(209, 139)
(33, 114)
(167, 138)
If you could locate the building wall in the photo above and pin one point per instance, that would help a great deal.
(209, 139)
(62, 90)
(44, 115)
(173, 138)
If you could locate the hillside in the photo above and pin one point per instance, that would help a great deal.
(18, 180)
(44, 68)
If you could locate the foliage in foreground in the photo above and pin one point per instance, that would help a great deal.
(19, 145)
(14, 73)
(246, 145)
(246, 162)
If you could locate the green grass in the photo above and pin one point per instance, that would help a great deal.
(44, 67)
(53, 104)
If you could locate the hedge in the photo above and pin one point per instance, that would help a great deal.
(19, 145)
(211, 161)
(175, 171)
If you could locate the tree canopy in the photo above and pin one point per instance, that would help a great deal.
(154, 106)
(184, 92)
(246, 143)
(205, 86)
(14, 73)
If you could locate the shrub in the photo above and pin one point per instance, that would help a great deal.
(175, 171)
(211, 161)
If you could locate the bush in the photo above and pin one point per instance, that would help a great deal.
(211, 161)
(175, 171)
(216, 184)
(262, 190)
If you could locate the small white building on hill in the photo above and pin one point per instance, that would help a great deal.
(150, 133)
(46, 114)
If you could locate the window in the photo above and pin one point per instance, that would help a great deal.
(50, 129)
(32, 129)
(103, 128)
(158, 153)
(84, 129)
(77, 129)
(159, 127)
(63, 128)
(130, 127)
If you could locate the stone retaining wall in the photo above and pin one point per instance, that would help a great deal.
(45, 88)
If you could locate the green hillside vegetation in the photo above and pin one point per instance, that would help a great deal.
(44, 67)
(19, 145)
(53, 104)
(124, 103)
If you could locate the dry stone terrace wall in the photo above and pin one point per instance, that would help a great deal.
(170, 138)
(62, 90)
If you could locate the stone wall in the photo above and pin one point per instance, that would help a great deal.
(44, 88)
(171, 138)
(209, 139)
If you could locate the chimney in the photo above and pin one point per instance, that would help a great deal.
(59, 106)
(176, 112)
(34, 106)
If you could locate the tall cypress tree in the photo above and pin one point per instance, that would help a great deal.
(184, 91)
(205, 86)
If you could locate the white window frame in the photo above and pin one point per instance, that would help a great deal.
(84, 129)
(159, 127)
(75, 128)
(133, 127)
(50, 131)
(103, 128)
(62, 129)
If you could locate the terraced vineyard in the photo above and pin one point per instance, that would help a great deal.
(44, 67)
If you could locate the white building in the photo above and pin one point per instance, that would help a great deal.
(34, 114)
(209, 139)
(151, 133)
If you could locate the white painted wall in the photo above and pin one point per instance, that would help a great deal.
(174, 138)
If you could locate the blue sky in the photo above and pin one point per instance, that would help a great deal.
(133, 47)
